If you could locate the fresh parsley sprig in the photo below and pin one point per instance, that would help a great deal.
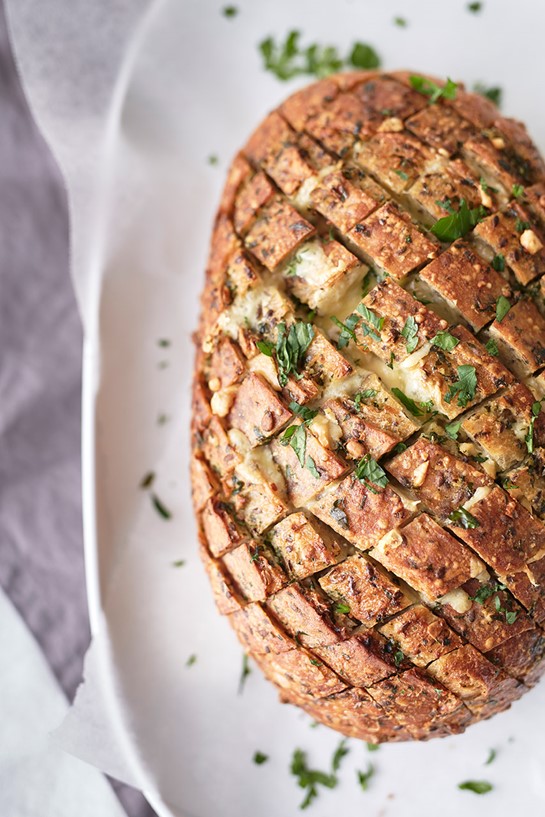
(464, 387)
(430, 89)
(287, 59)
(458, 223)
(369, 472)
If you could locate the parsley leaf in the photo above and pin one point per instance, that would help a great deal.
(365, 777)
(303, 412)
(361, 396)
(373, 747)
(445, 341)
(363, 56)
(291, 347)
(410, 333)
(461, 518)
(464, 387)
(311, 466)
(369, 471)
(246, 670)
(474, 7)
(517, 191)
(289, 59)
(477, 786)
(191, 660)
(260, 758)
(491, 757)
(453, 429)
(494, 93)
(296, 437)
(401, 22)
(457, 224)
(342, 608)
(147, 480)
(265, 347)
(416, 409)
(502, 308)
(529, 439)
(498, 263)
(399, 657)
(161, 509)
(230, 11)
(371, 322)
(432, 90)
(340, 752)
(347, 329)
(309, 779)
(492, 347)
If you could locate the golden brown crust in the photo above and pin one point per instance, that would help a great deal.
(358, 541)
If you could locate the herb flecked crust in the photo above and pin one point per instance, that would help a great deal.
(368, 462)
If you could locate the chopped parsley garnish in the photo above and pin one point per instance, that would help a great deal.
(416, 409)
(492, 347)
(399, 448)
(399, 657)
(291, 347)
(147, 480)
(162, 419)
(296, 437)
(315, 662)
(459, 223)
(347, 329)
(191, 660)
(432, 90)
(370, 322)
(289, 59)
(260, 758)
(410, 333)
(474, 7)
(493, 93)
(401, 174)
(213, 159)
(369, 472)
(265, 347)
(529, 439)
(445, 341)
(338, 514)
(164, 343)
(498, 262)
(521, 226)
(361, 396)
(502, 308)
(161, 509)
(245, 671)
(461, 518)
(491, 757)
(477, 786)
(309, 779)
(517, 191)
(390, 364)
(303, 412)
(340, 752)
(373, 747)
(400, 22)
(178, 563)
(311, 466)
(510, 615)
(464, 387)
(363, 56)
(342, 608)
(365, 777)
(453, 429)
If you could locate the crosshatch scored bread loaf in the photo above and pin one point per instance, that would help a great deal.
(368, 443)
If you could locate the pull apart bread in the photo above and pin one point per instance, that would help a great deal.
(368, 462)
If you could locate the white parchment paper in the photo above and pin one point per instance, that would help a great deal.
(133, 97)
